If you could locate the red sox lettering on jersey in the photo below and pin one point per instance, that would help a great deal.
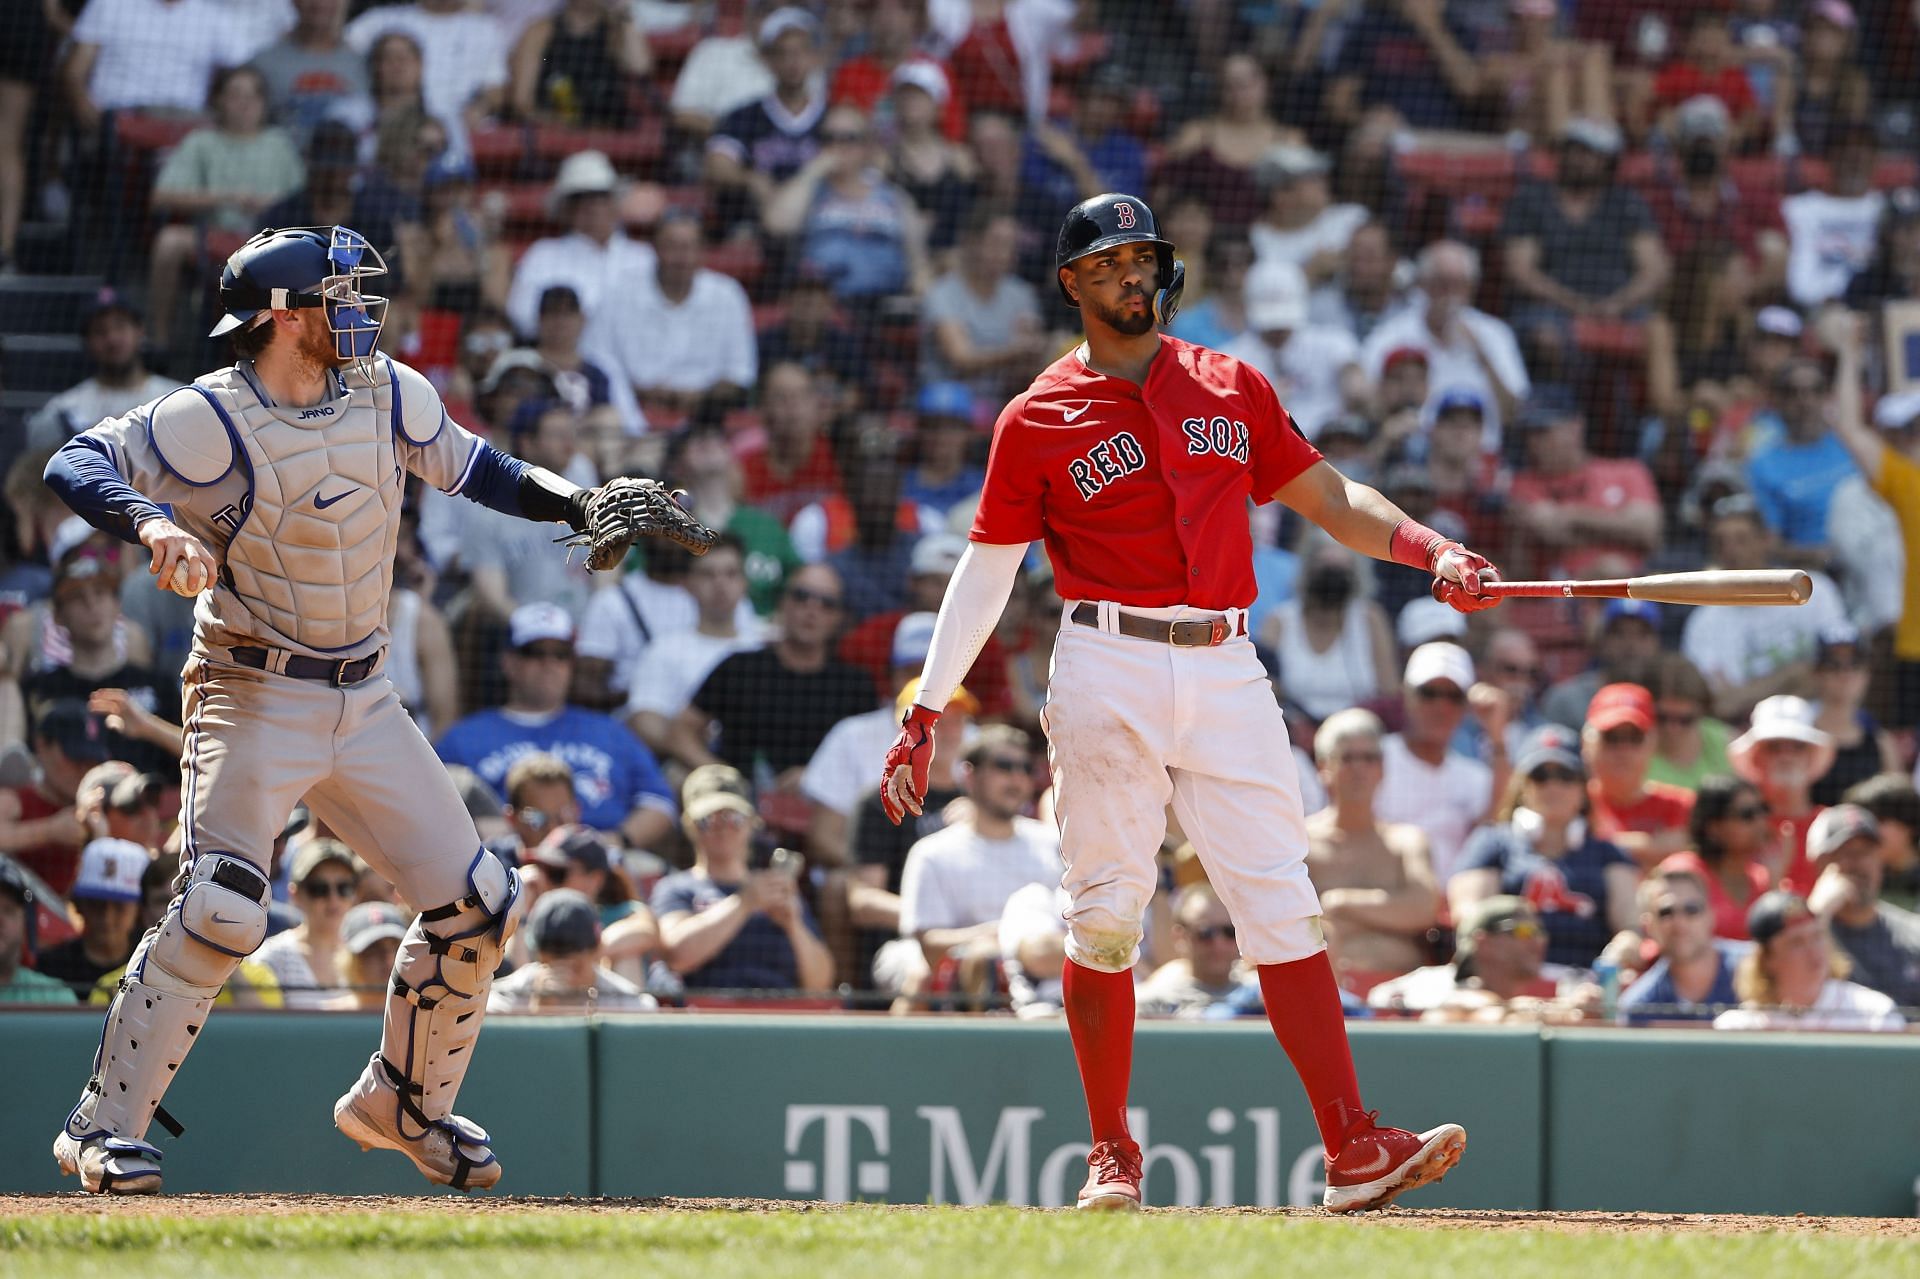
(1141, 491)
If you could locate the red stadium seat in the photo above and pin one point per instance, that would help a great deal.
(634, 151)
(498, 152)
(138, 132)
(741, 259)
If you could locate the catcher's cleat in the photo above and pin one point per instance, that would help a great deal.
(1375, 1164)
(451, 1152)
(1113, 1178)
(109, 1165)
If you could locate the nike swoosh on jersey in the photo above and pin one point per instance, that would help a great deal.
(323, 503)
(1073, 415)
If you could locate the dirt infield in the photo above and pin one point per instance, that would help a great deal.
(206, 1206)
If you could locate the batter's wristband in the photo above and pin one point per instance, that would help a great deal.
(1416, 545)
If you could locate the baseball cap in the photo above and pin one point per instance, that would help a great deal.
(332, 145)
(1773, 913)
(1620, 706)
(1276, 296)
(1897, 411)
(559, 297)
(77, 731)
(1780, 322)
(563, 922)
(1549, 744)
(370, 922)
(1290, 161)
(1439, 660)
(1459, 401)
(68, 536)
(1835, 826)
(1401, 355)
(316, 853)
(448, 168)
(1642, 610)
(568, 846)
(1485, 915)
(1424, 619)
(912, 638)
(532, 623)
(945, 399)
(1595, 135)
(110, 871)
(936, 553)
(1350, 426)
(910, 691)
(1837, 13)
(928, 77)
(783, 20)
(1550, 405)
(1834, 635)
(1704, 116)
(107, 300)
(712, 787)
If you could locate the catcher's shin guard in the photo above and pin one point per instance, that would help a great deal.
(404, 1099)
(178, 968)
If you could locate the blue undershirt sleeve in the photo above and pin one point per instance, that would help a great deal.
(82, 475)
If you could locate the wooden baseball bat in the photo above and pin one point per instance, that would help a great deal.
(1711, 586)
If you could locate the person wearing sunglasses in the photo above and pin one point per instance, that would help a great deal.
(1689, 744)
(1542, 848)
(1427, 784)
(1882, 941)
(306, 959)
(1731, 840)
(1500, 956)
(1693, 978)
(1647, 820)
(1205, 970)
(1795, 978)
(1784, 754)
(1862, 747)
(852, 225)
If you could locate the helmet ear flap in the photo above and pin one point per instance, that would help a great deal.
(1166, 301)
(1060, 278)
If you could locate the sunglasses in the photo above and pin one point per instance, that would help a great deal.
(1434, 693)
(321, 890)
(1689, 910)
(1623, 737)
(535, 653)
(1838, 664)
(801, 595)
(1513, 670)
(1553, 773)
(847, 138)
(1678, 719)
(1006, 764)
(1747, 813)
(1213, 932)
(1524, 929)
(1360, 757)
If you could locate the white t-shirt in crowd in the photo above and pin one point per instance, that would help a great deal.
(667, 676)
(841, 771)
(1446, 802)
(610, 992)
(155, 54)
(955, 879)
(577, 261)
(1331, 230)
(690, 346)
(1739, 643)
(722, 73)
(462, 53)
(85, 405)
(1842, 1005)
(1453, 366)
(621, 623)
(1830, 239)
(1865, 536)
(1305, 372)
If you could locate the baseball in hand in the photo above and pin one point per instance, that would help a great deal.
(188, 579)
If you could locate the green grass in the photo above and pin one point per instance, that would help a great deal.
(995, 1243)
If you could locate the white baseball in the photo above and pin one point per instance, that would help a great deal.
(187, 579)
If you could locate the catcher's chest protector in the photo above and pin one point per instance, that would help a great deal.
(314, 557)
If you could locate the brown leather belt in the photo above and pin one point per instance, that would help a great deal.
(340, 674)
(1199, 632)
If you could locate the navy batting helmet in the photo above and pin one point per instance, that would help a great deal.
(1113, 219)
(306, 267)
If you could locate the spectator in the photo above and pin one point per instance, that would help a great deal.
(622, 624)
(1332, 643)
(665, 676)
(584, 384)
(618, 783)
(540, 799)
(33, 42)
(700, 460)
(876, 528)
(851, 225)
(1205, 969)
(578, 858)
(123, 805)
(723, 926)
(891, 42)
(796, 465)
(106, 897)
(766, 710)
(306, 960)
(31, 639)
(1219, 153)
(1300, 222)
(396, 96)
(1463, 349)
(1881, 941)
(1795, 978)
(120, 59)
(1375, 881)
(39, 825)
(980, 323)
(1540, 847)
(1832, 233)
(813, 333)
(1219, 316)
(1831, 93)
(1408, 63)
(337, 192)
(370, 936)
(1425, 783)
(219, 178)
(1500, 958)
(1746, 652)
(593, 253)
(1511, 665)
(1646, 820)
(1869, 550)
(938, 174)
(577, 66)
(1893, 274)
(1862, 748)
(1709, 65)
(1693, 978)
(515, 562)
(310, 72)
(1793, 478)
(956, 882)
(682, 336)
(462, 261)
(1584, 245)
(1367, 288)
(21, 984)
(1470, 482)
(464, 56)
(1895, 807)
(1315, 370)
(943, 474)
(566, 975)
(1730, 839)
(1785, 754)
(759, 146)
(1064, 163)
(1539, 77)
(114, 333)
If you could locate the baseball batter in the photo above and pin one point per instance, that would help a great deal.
(1134, 457)
(282, 478)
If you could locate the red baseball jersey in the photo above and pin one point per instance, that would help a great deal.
(1141, 491)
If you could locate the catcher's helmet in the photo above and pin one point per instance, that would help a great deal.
(306, 267)
(1114, 219)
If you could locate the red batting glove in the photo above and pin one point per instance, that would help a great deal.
(903, 779)
(1457, 575)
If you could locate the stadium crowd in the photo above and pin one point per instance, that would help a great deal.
(1596, 286)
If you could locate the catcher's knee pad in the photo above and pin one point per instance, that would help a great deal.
(1102, 940)
(439, 996)
(170, 984)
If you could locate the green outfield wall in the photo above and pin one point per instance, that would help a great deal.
(970, 1111)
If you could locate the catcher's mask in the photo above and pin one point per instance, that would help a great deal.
(300, 267)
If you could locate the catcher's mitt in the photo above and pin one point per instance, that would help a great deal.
(621, 512)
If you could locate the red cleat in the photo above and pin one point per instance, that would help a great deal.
(1113, 1178)
(1375, 1164)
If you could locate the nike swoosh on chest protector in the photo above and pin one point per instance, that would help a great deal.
(323, 503)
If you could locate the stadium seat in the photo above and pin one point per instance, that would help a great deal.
(498, 152)
(635, 151)
(51, 362)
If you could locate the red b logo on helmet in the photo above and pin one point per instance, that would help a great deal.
(1123, 213)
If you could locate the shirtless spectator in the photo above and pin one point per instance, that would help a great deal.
(1205, 968)
(1646, 820)
(1377, 891)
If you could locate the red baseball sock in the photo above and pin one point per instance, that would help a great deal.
(1303, 1005)
(1099, 1009)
